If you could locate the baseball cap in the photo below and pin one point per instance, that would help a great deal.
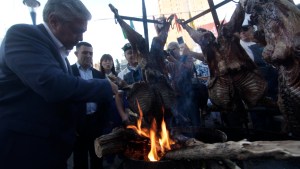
(126, 47)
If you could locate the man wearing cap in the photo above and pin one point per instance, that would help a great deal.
(246, 39)
(132, 73)
(260, 119)
(181, 71)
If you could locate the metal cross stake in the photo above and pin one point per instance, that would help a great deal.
(212, 9)
(144, 20)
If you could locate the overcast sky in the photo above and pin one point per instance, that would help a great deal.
(103, 33)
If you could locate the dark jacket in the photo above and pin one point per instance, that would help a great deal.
(36, 92)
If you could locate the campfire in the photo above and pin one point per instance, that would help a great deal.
(159, 143)
(153, 148)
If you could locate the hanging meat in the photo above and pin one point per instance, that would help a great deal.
(154, 96)
(234, 78)
(280, 22)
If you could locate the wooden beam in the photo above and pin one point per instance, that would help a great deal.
(192, 149)
(240, 150)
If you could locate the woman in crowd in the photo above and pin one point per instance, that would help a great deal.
(107, 65)
(116, 115)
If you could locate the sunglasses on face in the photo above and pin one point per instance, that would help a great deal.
(245, 28)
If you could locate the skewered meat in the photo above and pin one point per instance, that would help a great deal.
(155, 93)
(280, 21)
(234, 79)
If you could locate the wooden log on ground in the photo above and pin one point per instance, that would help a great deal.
(240, 150)
(115, 142)
(122, 139)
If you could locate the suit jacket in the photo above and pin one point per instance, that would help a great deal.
(98, 116)
(36, 93)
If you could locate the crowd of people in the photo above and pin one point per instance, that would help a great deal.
(50, 109)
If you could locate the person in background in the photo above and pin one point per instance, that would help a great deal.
(181, 70)
(261, 119)
(113, 117)
(248, 36)
(38, 91)
(132, 73)
(202, 71)
(246, 39)
(107, 65)
(91, 121)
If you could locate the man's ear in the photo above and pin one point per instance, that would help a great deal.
(53, 21)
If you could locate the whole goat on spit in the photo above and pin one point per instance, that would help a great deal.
(154, 96)
(234, 78)
(280, 22)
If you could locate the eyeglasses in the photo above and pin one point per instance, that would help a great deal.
(245, 28)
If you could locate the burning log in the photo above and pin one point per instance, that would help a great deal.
(240, 150)
(127, 142)
(114, 142)
(136, 142)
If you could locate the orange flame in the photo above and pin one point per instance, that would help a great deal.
(158, 145)
(165, 140)
(153, 156)
(138, 129)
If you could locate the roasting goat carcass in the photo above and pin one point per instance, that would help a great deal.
(234, 78)
(280, 22)
(155, 96)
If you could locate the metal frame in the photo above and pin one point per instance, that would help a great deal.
(212, 9)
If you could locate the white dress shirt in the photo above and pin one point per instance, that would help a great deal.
(62, 50)
(87, 74)
(246, 45)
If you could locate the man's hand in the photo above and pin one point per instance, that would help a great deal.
(185, 50)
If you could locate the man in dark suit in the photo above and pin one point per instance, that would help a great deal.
(38, 90)
(92, 113)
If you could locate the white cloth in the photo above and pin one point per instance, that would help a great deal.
(87, 74)
(246, 45)
(125, 71)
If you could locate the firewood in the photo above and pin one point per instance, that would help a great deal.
(240, 150)
(126, 141)
(116, 141)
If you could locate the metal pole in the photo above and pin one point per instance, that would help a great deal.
(138, 19)
(214, 13)
(32, 4)
(206, 11)
(145, 23)
(33, 17)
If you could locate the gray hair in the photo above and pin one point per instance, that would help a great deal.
(173, 45)
(66, 10)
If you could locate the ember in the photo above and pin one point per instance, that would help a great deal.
(159, 145)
